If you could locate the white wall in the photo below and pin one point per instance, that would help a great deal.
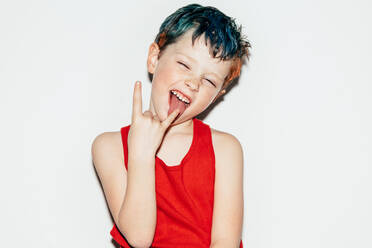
(302, 111)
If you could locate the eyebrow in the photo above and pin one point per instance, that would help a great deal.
(193, 60)
(186, 56)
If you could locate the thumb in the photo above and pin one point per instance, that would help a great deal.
(166, 123)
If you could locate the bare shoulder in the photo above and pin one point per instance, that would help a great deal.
(228, 152)
(107, 145)
(108, 160)
(227, 218)
(225, 145)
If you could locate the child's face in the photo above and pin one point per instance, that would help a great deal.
(188, 69)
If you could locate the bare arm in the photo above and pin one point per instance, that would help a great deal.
(130, 194)
(228, 196)
(137, 214)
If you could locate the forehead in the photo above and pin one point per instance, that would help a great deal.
(200, 51)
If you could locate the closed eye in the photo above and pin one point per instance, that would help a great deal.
(210, 82)
(183, 64)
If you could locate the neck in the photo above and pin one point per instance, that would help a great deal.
(183, 127)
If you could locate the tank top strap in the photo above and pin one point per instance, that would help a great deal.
(204, 135)
(124, 137)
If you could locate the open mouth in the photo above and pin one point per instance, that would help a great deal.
(178, 101)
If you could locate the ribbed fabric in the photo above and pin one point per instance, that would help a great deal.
(184, 195)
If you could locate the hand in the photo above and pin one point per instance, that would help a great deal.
(146, 131)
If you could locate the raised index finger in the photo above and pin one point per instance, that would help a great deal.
(137, 100)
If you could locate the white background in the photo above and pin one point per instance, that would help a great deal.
(301, 110)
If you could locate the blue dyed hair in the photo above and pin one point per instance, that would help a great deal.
(226, 40)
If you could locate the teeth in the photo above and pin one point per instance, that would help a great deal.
(179, 96)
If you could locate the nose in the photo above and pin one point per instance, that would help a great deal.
(193, 84)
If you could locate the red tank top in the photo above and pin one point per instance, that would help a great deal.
(184, 195)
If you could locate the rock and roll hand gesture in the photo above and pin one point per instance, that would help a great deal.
(146, 131)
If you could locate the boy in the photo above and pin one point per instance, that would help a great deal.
(182, 183)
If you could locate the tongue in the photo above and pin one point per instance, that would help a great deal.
(175, 103)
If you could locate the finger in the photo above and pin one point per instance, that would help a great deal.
(155, 117)
(166, 123)
(137, 100)
(147, 113)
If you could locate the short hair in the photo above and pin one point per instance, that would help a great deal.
(224, 35)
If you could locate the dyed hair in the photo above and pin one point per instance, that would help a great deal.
(226, 40)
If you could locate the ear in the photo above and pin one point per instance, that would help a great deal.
(152, 57)
(219, 94)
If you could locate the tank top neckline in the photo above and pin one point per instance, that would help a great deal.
(189, 152)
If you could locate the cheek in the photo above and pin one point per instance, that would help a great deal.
(164, 73)
(206, 98)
